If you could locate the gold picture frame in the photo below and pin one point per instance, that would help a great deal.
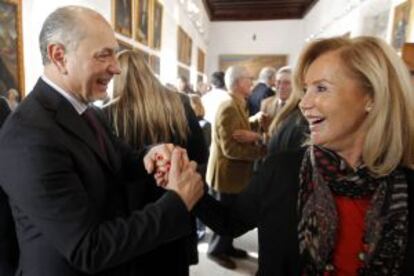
(184, 47)
(11, 49)
(157, 16)
(142, 21)
(400, 25)
(122, 16)
(254, 62)
(201, 57)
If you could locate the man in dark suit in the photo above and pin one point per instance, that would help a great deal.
(4, 110)
(8, 243)
(262, 90)
(64, 173)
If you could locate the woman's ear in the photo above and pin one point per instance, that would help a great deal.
(369, 105)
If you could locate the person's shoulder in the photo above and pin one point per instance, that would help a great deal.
(286, 159)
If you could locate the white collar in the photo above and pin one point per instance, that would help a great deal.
(79, 106)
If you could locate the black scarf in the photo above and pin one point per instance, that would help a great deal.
(325, 174)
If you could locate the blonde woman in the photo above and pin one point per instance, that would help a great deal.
(143, 112)
(344, 205)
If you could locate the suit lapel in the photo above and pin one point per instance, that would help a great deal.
(69, 119)
(242, 112)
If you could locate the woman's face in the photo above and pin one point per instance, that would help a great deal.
(334, 104)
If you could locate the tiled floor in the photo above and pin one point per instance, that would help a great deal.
(248, 266)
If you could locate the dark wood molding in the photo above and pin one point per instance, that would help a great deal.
(234, 10)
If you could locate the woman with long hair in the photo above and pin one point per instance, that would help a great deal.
(144, 112)
(343, 204)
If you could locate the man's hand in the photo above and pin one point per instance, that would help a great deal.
(245, 136)
(158, 157)
(184, 179)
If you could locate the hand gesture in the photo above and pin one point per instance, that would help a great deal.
(184, 179)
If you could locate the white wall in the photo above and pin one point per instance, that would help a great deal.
(272, 37)
(36, 11)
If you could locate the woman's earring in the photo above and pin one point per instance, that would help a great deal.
(368, 108)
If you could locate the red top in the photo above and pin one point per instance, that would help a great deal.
(351, 214)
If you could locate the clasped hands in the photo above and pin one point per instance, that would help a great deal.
(174, 171)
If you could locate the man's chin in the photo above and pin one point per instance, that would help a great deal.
(97, 97)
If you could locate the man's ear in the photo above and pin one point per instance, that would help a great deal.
(56, 54)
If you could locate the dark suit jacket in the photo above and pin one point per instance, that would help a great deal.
(8, 242)
(68, 202)
(260, 91)
(270, 203)
(4, 110)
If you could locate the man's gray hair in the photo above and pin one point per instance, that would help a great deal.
(233, 74)
(62, 26)
(266, 74)
(284, 69)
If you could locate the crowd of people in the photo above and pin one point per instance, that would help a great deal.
(319, 158)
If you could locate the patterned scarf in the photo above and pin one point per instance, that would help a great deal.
(324, 174)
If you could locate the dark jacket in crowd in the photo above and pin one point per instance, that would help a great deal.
(8, 241)
(260, 91)
(291, 135)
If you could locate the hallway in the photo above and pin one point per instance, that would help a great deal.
(206, 267)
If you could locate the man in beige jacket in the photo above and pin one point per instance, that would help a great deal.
(230, 165)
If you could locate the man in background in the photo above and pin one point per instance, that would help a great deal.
(262, 90)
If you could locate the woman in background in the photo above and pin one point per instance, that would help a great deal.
(143, 112)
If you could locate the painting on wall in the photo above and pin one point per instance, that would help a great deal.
(142, 22)
(201, 61)
(11, 53)
(400, 25)
(122, 16)
(157, 25)
(254, 62)
(184, 47)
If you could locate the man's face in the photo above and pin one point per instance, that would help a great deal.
(283, 86)
(244, 84)
(91, 66)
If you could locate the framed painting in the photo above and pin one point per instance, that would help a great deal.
(122, 16)
(11, 47)
(201, 57)
(184, 48)
(157, 25)
(400, 25)
(142, 21)
(254, 62)
(155, 64)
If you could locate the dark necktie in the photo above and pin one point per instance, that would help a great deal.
(97, 128)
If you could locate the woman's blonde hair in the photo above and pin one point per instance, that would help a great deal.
(143, 111)
(390, 126)
(197, 105)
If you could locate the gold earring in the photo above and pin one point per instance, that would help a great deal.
(368, 108)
